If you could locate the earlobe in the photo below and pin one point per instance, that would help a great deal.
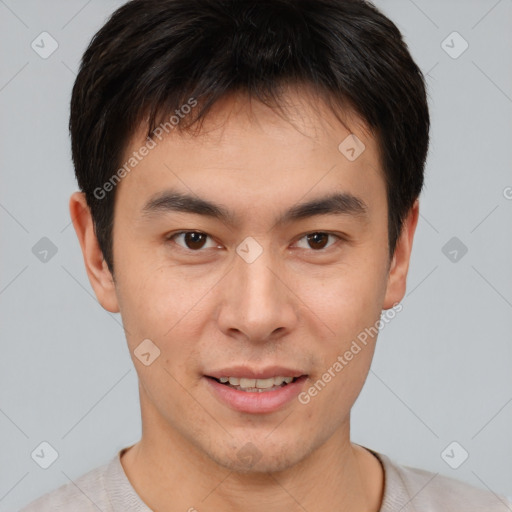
(397, 277)
(97, 270)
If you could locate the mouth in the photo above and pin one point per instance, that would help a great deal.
(256, 392)
(251, 385)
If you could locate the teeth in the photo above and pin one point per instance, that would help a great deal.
(245, 383)
(262, 383)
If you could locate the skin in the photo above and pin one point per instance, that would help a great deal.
(296, 306)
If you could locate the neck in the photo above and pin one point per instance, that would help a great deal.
(169, 474)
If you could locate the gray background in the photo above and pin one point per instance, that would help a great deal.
(442, 370)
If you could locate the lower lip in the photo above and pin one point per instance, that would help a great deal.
(256, 402)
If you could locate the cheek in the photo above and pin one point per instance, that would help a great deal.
(346, 300)
(164, 305)
(347, 310)
(346, 306)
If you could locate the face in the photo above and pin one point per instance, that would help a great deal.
(259, 284)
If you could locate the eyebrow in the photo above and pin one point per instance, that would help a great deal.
(340, 203)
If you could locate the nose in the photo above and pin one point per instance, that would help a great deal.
(257, 301)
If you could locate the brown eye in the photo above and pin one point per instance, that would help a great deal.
(192, 240)
(318, 240)
(195, 240)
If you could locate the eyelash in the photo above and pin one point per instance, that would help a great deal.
(170, 238)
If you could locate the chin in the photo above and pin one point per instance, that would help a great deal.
(252, 458)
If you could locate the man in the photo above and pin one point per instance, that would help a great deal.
(249, 175)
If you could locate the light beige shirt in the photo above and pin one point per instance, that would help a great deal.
(406, 489)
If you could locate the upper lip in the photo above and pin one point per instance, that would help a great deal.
(255, 373)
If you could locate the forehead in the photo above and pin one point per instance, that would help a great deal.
(249, 152)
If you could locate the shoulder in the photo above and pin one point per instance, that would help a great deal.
(412, 489)
(84, 494)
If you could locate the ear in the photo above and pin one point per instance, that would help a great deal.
(99, 275)
(399, 267)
